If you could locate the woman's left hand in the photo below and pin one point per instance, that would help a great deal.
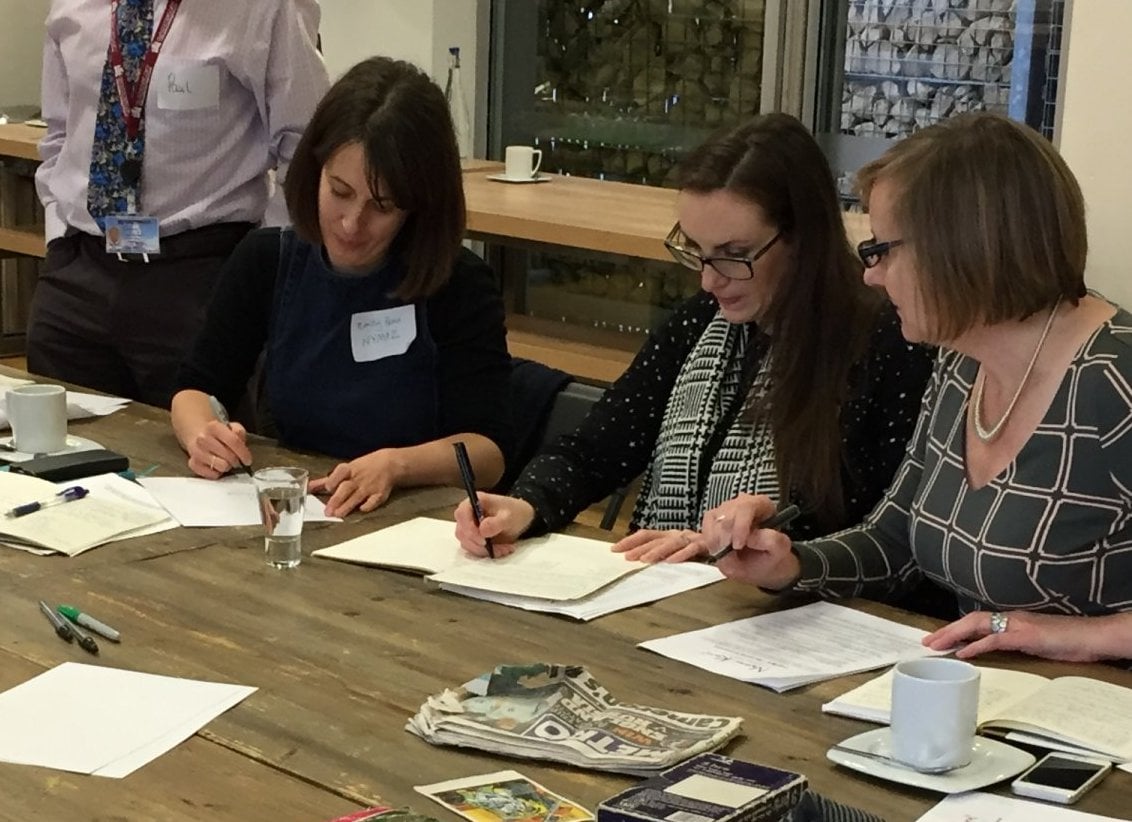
(661, 546)
(1051, 636)
(363, 483)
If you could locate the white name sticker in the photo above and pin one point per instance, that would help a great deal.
(375, 335)
(187, 86)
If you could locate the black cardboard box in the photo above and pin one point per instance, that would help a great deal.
(708, 788)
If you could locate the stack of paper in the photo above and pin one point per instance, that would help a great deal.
(788, 649)
(113, 509)
(105, 721)
(555, 573)
(196, 503)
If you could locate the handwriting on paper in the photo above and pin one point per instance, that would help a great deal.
(375, 335)
(187, 86)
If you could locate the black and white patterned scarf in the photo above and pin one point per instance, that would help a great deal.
(708, 384)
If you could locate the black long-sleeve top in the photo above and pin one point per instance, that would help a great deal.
(615, 441)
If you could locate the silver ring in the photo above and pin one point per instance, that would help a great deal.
(998, 622)
(212, 462)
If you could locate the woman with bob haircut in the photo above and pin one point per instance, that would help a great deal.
(785, 376)
(1016, 492)
(382, 339)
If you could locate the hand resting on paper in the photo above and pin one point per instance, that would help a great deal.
(762, 556)
(363, 483)
(218, 448)
(505, 520)
(1052, 636)
(676, 545)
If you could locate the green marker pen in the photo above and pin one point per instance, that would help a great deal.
(79, 618)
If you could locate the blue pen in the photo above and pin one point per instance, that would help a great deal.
(66, 495)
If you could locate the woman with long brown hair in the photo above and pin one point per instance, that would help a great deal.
(785, 374)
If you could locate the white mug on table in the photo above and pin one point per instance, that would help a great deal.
(935, 703)
(38, 415)
(521, 162)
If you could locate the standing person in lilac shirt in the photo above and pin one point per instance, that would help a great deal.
(230, 88)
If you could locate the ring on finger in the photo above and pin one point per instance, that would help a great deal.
(212, 462)
(998, 622)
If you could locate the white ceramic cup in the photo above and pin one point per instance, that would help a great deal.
(521, 162)
(38, 414)
(934, 706)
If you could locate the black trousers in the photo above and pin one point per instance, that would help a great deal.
(124, 326)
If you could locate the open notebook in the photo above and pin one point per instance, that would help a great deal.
(1070, 712)
(554, 567)
(110, 511)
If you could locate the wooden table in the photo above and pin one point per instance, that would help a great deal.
(343, 655)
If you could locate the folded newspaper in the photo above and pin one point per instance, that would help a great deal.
(561, 713)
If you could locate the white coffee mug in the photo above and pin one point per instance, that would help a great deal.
(522, 162)
(935, 703)
(38, 414)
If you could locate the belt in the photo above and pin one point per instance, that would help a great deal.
(216, 240)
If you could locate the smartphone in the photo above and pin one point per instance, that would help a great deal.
(1061, 777)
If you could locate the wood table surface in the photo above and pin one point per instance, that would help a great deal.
(342, 655)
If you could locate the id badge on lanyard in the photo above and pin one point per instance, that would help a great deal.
(135, 233)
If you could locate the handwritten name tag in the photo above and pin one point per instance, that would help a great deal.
(375, 335)
(187, 86)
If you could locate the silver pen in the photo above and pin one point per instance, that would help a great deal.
(222, 414)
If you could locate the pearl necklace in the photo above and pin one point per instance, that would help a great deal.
(984, 434)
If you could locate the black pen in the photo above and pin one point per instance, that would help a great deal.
(470, 486)
(222, 414)
(784, 517)
(62, 627)
(86, 641)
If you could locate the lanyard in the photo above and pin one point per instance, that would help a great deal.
(133, 99)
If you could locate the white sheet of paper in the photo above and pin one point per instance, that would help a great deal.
(375, 335)
(788, 649)
(106, 721)
(665, 579)
(196, 502)
(554, 567)
(986, 807)
(419, 544)
(115, 487)
(185, 85)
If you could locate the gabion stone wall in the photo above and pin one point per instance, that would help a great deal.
(911, 63)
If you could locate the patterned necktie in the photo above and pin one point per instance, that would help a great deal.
(115, 162)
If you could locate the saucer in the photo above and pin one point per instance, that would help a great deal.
(74, 445)
(503, 178)
(991, 761)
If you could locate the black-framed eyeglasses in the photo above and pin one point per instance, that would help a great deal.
(733, 268)
(871, 252)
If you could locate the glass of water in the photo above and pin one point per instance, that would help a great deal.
(281, 493)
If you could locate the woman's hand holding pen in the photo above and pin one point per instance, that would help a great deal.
(760, 556)
(505, 519)
(217, 448)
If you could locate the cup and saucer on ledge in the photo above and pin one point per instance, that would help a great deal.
(931, 742)
(520, 165)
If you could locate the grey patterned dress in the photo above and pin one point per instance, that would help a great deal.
(1052, 532)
